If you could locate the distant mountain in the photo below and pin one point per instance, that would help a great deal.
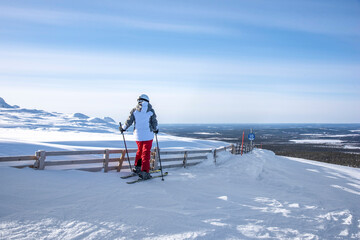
(96, 120)
(80, 115)
(3, 104)
(16, 117)
(109, 120)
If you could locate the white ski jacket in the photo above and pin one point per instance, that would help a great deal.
(144, 119)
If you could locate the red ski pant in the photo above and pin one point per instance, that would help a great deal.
(143, 154)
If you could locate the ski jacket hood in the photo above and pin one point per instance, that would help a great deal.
(144, 118)
(143, 106)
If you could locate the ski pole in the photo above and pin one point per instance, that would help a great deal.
(127, 153)
(158, 149)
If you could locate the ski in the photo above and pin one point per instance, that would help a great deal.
(141, 180)
(134, 174)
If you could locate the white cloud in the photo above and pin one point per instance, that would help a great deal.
(59, 63)
(202, 17)
(71, 17)
(186, 105)
(321, 17)
(191, 90)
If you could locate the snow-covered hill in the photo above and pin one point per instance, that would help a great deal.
(257, 195)
(24, 131)
(16, 117)
(4, 104)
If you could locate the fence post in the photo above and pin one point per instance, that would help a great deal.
(155, 159)
(214, 155)
(40, 159)
(106, 160)
(36, 163)
(121, 160)
(185, 159)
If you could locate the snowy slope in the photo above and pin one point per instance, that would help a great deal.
(257, 195)
(24, 131)
(4, 104)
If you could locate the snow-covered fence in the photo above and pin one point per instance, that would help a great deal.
(169, 159)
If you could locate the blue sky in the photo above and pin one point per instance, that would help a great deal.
(243, 61)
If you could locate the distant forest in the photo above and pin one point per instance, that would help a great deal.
(322, 154)
(276, 137)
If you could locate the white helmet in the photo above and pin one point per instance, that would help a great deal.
(143, 97)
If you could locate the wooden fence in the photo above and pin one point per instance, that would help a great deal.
(169, 159)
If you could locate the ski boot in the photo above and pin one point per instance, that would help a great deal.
(137, 170)
(145, 175)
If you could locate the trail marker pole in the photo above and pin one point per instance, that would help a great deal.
(251, 137)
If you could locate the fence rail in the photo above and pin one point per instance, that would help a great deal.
(17, 158)
(172, 159)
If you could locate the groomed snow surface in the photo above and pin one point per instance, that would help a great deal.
(257, 195)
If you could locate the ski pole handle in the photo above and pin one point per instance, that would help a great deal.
(120, 128)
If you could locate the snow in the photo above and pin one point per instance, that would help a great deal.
(257, 195)
(206, 133)
(80, 115)
(335, 142)
(3, 104)
(318, 141)
(38, 119)
(351, 147)
(109, 119)
(330, 136)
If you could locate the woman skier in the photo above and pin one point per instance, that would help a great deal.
(145, 125)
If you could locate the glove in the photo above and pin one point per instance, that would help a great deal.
(156, 131)
(121, 129)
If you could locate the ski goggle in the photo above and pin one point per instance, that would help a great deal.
(142, 99)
